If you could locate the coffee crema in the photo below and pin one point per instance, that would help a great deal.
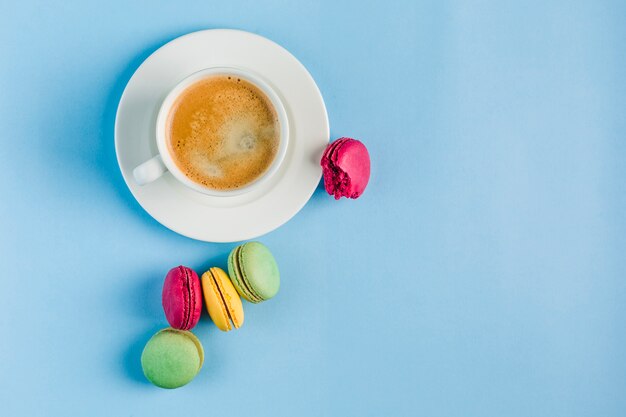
(223, 132)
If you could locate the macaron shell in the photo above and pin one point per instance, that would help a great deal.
(230, 296)
(335, 180)
(346, 168)
(198, 344)
(182, 298)
(172, 358)
(353, 158)
(338, 144)
(259, 270)
(222, 300)
(331, 148)
(236, 275)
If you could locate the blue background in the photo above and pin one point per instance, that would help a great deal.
(481, 274)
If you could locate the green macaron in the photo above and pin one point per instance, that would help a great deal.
(172, 358)
(253, 271)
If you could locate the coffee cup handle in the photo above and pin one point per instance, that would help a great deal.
(149, 171)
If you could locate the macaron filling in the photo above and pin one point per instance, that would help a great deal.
(244, 276)
(223, 302)
(225, 307)
(337, 181)
(189, 300)
(240, 276)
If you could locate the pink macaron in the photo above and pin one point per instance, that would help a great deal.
(182, 298)
(346, 168)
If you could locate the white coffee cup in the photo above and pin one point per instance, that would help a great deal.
(154, 168)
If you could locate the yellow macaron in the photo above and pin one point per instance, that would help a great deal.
(222, 300)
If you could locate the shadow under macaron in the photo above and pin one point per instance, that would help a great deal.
(141, 297)
(131, 360)
(207, 333)
(219, 259)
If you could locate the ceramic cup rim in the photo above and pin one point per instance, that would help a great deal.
(180, 87)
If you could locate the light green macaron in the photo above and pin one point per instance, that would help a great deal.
(253, 271)
(172, 358)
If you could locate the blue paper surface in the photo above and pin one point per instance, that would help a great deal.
(482, 273)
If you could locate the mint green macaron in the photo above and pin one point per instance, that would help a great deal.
(172, 358)
(254, 272)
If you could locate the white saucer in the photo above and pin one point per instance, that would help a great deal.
(223, 219)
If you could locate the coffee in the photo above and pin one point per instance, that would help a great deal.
(223, 132)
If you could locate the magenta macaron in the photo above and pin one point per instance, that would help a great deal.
(182, 298)
(346, 168)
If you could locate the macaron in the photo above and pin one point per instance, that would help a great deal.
(346, 168)
(254, 272)
(172, 358)
(222, 300)
(182, 298)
